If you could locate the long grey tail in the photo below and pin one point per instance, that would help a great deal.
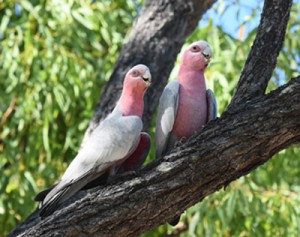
(60, 193)
(55, 197)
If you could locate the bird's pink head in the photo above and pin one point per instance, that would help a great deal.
(136, 82)
(197, 56)
(138, 78)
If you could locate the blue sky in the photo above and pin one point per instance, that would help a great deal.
(231, 14)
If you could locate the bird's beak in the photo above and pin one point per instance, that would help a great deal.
(147, 78)
(207, 54)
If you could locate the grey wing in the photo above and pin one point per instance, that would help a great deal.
(113, 140)
(167, 110)
(212, 106)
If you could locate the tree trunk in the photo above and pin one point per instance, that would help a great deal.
(254, 128)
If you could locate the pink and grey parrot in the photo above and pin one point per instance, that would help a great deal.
(185, 105)
(117, 142)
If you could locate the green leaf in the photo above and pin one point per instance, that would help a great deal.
(231, 205)
(83, 20)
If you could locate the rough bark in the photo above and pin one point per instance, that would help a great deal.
(155, 40)
(262, 58)
(249, 133)
(226, 149)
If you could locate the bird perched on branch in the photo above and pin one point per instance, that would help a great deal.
(117, 143)
(185, 105)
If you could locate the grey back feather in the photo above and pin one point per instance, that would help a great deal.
(212, 106)
(167, 110)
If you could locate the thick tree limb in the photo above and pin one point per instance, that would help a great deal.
(262, 58)
(226, 149)
(155, 40)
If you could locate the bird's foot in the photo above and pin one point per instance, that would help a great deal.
(180, 142)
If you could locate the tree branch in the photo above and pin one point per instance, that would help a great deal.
(226, 149)
(262, 58)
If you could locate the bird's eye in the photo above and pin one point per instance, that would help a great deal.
(195, 48)
(135, 73)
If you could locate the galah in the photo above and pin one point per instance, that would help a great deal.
(118, 141)
(185, 105)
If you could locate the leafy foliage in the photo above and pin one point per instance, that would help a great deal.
(54, 58)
